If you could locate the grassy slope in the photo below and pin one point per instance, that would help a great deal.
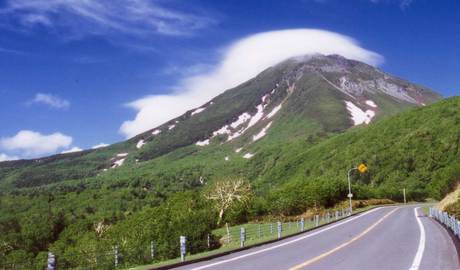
(418, 149)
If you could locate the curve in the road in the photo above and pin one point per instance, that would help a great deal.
(285, 243)
(421, 246)
(324, 255)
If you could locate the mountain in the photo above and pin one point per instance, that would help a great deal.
(292, 132)
(309, 97)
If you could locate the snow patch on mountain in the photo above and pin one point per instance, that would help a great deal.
(243, 118)
(203, 143)
(238, 150)
(248, 155)
(122, 155)
(371, 103)
(262, 133)
(259, 114)
(118, 163)
(171, 127)
(222, 131)
(156, 132)
(139, 144)
(359, 116)
(274, 111)
(198, 110)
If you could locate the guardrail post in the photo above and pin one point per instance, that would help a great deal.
(183, 247)
(242, 236)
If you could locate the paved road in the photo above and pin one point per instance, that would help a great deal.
(388, 238)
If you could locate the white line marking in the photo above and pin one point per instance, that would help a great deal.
(286, 243)
(421, 244)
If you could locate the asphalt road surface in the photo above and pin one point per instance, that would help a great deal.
(389, 238)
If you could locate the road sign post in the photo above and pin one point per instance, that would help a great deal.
(362, 168)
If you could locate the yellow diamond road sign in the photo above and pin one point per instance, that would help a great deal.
(362, 168)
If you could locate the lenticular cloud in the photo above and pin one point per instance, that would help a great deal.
(241, 61)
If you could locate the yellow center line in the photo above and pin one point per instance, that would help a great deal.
(319, 257)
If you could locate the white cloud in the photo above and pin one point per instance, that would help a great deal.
(51, 101)
(31, 143)
(72, 150)
(240, 61)
(97, 146)
(5, 157)
(103, 17)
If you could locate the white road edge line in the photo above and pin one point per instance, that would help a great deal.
(287, 243)
(421, 244)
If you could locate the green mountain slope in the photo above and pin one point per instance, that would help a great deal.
(417, 150)
(308, 97)
(290, 132)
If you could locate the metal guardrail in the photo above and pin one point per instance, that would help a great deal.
(449, 221)
(232, 238)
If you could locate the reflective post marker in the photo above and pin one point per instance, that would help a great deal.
(152, 250)
(302, 224)
(242, 236)
(183, 250)
(280, 228)
(115, 251)
(51, 261)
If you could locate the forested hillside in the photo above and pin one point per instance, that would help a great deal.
(80, 220)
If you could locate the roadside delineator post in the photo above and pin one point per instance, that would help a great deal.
(280, 228)
(183, 248)
(115, 252)
(271, 228)
(209, 241)
(51, 264)
(242, 236)
(316, 220)
(302, 224)
(152, 251)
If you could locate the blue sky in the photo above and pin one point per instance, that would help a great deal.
(69, 68)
